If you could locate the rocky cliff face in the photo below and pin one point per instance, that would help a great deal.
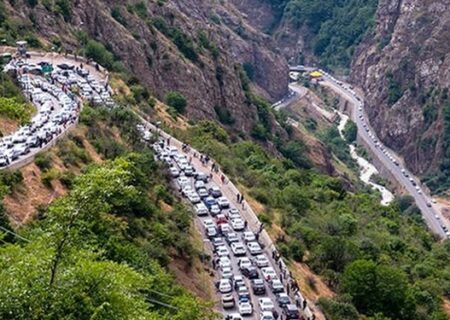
(144, 40)
(404, 70)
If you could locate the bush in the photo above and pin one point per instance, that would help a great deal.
(176, 100)
(350, 131)
(9, 180)
(48, 176)
(43, 161)
(224, 115)
(97, 51)
(13, 109)
(67, 179)
(117, 15)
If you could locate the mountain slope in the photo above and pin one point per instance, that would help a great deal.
(404, 72)
(194, 47)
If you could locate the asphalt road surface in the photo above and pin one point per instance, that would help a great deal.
(388, 159)
(216, 181)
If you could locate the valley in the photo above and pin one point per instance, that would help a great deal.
(161, 159)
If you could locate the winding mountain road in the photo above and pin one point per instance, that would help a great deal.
(388, 159)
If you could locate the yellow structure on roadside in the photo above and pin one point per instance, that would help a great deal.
(316, 74)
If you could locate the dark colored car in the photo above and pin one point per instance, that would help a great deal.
(258, 287)
(291, 312)
(201, 176)
(209, 201)
(215, 192)
(250, 272)
(283, 299)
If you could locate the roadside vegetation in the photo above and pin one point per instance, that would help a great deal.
(102, 250)
(382, 261)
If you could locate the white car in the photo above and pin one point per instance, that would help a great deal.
(199, 184)
(222, 251)
(269, 273)
(248, 236)
(276, 286)
(265, 304)
(227, 273)
(245, 308)
(254, 248)
(186, 190)
(215, 210)
(211, 232)
(238, 224)
(267, 315)
(188, 170)
(225, 228)
(244, 263)
(208, 223)
(224, 262)
(225, 286)
(201, 209)
(223, 203)
(183, 181)
(262, 261)
(194, 197)
(238, 249)
(234, 316)
(203, 193)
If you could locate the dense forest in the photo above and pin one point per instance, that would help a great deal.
(382, 261)
(335, 27)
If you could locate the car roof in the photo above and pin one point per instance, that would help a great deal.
(291, 307)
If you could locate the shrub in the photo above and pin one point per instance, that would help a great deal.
(49, 175)
(63, 8)
(176, 100)
(67, 179)
(224, 115)
(350, 131)
(43, 161)
(97, 51)
(117, 15)
(9, 180)
(13, 109)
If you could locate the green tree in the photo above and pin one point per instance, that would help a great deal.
(176, 100)
(350, 131)
(376, 288)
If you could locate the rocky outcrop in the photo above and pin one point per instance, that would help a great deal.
(153, 56)
(404, 70)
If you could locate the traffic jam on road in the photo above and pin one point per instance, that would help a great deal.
(52, 92)
(246, 280)
(385, 152)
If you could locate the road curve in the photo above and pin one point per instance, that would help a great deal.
(423, 201)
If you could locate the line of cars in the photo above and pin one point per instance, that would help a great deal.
(56, 106)
(247, 283)
(386, 153)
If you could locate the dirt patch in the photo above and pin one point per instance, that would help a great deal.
(180, 122)
(446, 305)
(8, 126)
(311, 285)
(196, 277)
(21, 205)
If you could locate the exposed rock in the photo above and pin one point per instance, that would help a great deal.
(158, 63)
(409, 53)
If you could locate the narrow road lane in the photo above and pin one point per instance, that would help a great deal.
(388, 159)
